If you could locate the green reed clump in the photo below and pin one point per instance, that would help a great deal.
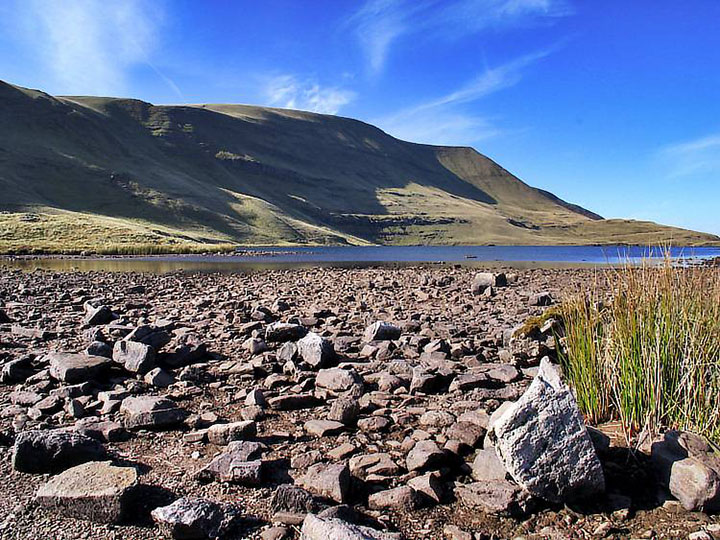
(650, 355)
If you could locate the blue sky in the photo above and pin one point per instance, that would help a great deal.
(614, 105)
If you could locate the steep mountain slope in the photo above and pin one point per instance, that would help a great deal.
(89, 173)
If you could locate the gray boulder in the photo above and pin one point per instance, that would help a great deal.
(542, 442)
(75, 368)
(151, 412)
(486, 280)
(42, 451)
(95, 491)
(239, 464)
(135, 356)
(338, 380)
(195, 519)
(688, 467)
(281, 332)
(95, 315)
(499, 497)
(317, 528)
(315, 350)
(382, 331)
(331, 481)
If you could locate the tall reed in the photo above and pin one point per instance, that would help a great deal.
(649, 355)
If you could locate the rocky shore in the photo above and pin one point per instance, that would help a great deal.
(376, 403)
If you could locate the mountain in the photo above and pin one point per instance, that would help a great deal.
(79, 173)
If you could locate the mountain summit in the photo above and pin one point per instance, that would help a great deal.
(91, 172)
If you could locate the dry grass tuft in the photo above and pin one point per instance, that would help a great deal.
(649, 355)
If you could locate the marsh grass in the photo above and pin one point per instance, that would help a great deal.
(649, 353)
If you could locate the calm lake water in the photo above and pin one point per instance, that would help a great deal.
(262, 258)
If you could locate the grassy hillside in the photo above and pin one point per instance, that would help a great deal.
(87, 173)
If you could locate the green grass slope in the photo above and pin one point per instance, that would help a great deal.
(124, 174)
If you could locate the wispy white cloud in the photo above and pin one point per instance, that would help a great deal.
(698, 157)
(379, 23)
(443, 120)
(89, 46)
(291, 92)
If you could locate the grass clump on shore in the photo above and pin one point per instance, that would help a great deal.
(648, 355)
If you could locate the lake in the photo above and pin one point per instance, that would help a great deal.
(263, 258)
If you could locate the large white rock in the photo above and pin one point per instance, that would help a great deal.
(317, 528)
(543, 443)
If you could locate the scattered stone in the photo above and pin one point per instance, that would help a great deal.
(317, 528)
(281, 332)
(293, 402)
(323, 428)
(151, 412)
(42, 451)
(195, 519)
(97, 315)
(382, 331)
(338, 380)
(687, 466)
(485, 280)
(402, 498)
(159, 378)
(331, 481)
(424, 455)
(135, 356)
(494, 497)
(344, 409)
(315, 350)
(238, 464)
(96, 491)
(73, 368)
(223, 434)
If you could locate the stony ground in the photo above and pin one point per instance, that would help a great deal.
(454, 359)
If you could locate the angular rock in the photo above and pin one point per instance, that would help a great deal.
(428, 488)
(687, 466)
(317, 528)
(485, 280)
(291, 402)
(151, 412)
(543, 443)
(382, 331)
(402, 498)
(159, 378)
(331, 481)
(315, 350)
(223, 434)
(344, 409)
(487, 466)
(238, 464)
(135, 356)
(281, 332)
(195, 519)
(96, 491)
(292, 499)
(151, 336)
(338, 380)
(323, 428)
(95, 315)
(41, 451)
(499, 497)
(467, 433)
(74, 368)
(424, 455)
